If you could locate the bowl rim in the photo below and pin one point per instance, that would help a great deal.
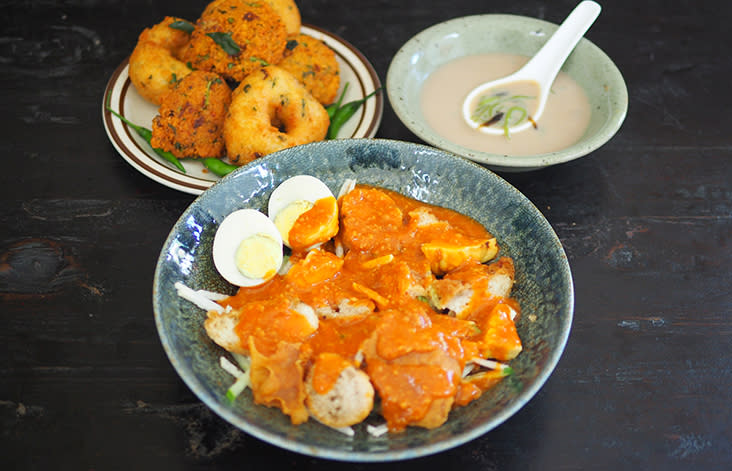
(199, 389)
(618, 96)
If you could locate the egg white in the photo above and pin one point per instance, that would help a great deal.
(235, 228)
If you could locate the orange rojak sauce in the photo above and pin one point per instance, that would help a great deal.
(378, 289)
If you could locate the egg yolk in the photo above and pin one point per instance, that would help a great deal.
(257, 256)
(285, 219)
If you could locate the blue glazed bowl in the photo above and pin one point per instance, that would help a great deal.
(543, 288)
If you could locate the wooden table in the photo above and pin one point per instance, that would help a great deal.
(646, 378)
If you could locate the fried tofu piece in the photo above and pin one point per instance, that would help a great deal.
(341, 402)
(499, 339)
(403, 383)
(469, 286)
(445, 256)
(415, 376)
(346, 307)
(423, 218)
(446, 247)
(220, 327)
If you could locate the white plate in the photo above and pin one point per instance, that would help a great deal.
(354, 69)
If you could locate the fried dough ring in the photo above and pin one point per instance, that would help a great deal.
(312, 62)
(271, 110)
(290, 14)
(154, 65)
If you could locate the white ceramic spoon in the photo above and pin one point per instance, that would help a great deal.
(542, 69)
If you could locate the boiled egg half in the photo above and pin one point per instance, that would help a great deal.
(247, 248)
(304, 211)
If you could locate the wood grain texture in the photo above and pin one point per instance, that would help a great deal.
(646, 221)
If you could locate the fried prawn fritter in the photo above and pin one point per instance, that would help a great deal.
(271, 110)
(154, 65)
(191, 117)
(312, 62)
(235, 37)
(290, 14)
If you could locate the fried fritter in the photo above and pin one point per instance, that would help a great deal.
(314, 64)
(154, 66)
(235, 37)
(290, 14)
(191, 117)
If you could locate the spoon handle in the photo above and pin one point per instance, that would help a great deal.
(547, 62)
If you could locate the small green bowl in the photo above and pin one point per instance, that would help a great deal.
(543, 288)
(589, 66)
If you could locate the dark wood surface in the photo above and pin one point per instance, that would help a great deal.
(646, 378)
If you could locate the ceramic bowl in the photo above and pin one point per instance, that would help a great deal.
(589, 66)
(543, 287)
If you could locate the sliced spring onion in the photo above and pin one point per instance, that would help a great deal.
(484, 111)
(241, 375)
(237, 388)
(507, 120)
(501, 109)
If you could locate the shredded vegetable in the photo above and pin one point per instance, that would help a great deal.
(199, 298)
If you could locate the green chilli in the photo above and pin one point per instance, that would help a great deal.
(344, 113)
(333, 107)
(218, 167)
(147, 135)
